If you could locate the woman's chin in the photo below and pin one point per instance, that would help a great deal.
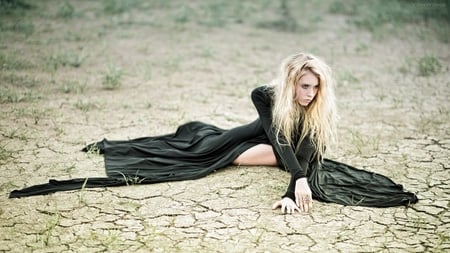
(304, 104)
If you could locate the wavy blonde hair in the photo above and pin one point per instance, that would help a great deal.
(318, 119)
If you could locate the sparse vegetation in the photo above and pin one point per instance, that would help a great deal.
(119, 6)
(73, 87)
(51, 225)
(55, 61)
(383, 17)
(22, 26)
(112, 79)
(16, 80)
(86, 105)
(364, 143)
(9, 5)
(285, 22)
(12, 62)
(347, 78)
(65, 10)
(428, 65)
(8, 95)
(5, 154)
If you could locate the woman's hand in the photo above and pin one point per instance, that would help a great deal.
(287, 205)
(303, 197)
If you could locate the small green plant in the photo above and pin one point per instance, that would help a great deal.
(429, 122)
(130, 205)
(279, 187)
(65, 10)
(11, 62)
(16, 133)
(361, 48)
(50, 228)
(5, 154)
(56, 61)
(214, 13)
(81, 199)
(286, 22)
(387, 17)
(112, 78)
(428, 65)
(73, 86)
(362, 142)
(109, 239)
(86, 105)
(407, 66)
(119, 6)
(146, 71)
(339, 7)
(93, 149)
(19, 80)
(8, 186)
(59, 131)
(74, 60)
(38, 114)
(12, 96)
(347, 77)
(11, 5)
(183, 14)
(24, 27)
(443, 239)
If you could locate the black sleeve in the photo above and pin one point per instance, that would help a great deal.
(305, 154)
(297, 165)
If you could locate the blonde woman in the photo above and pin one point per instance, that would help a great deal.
(298, 114)
(296, 121)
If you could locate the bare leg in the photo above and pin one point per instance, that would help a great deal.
(261, 154)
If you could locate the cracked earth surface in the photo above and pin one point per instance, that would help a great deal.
(392, 122)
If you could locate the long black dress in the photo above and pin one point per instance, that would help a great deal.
(196, 149)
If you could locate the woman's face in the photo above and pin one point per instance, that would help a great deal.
(306, 89)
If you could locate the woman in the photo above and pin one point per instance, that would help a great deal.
(296, 122)
(298, 115)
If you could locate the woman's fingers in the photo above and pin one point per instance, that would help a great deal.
(307, 204)
(304, 202)
(300, 205)
(310, 204)
(289, 206)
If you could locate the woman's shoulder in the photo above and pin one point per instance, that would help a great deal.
(264, 90)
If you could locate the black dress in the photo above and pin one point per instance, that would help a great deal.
(197, 149)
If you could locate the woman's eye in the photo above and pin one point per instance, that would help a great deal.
(305, 86)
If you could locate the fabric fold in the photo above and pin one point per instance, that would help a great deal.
(197, 149)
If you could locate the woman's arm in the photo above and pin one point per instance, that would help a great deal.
(297, 164)
(263, 104)
(304, 155)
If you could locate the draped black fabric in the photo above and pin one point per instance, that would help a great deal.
(185, 155)
(197, 149)
(336, 182)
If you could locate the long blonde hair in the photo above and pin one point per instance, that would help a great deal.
(318, 119)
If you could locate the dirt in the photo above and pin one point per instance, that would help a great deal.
(178, 62)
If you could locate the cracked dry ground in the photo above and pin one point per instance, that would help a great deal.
(392, 122)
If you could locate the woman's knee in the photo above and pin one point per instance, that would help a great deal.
(261, 154)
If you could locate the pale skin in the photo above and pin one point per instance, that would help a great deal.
(263, 155)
